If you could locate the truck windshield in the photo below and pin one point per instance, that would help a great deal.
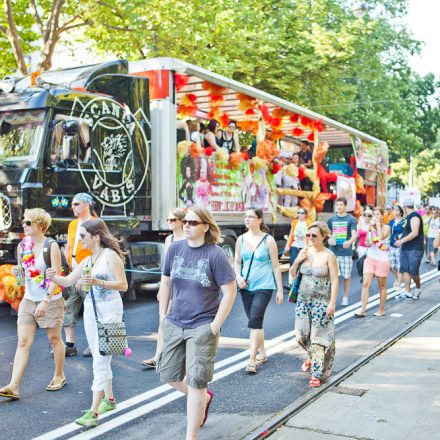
(20, 136)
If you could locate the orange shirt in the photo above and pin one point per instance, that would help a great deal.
(387, 218)
(80, 253)
(292, 230)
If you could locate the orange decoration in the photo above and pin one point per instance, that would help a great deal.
(10, 292)
(180, 81)
(188, 100)
(319, 125)
(265, 113)
(294, 118)
(306, 122)
(276, 135)
(224, 120)
(249, 126)
(186, 110)
(267, 150)
(311, 136)
(215, 113)
(306, 203)
(195, 151)
(235, 160)
(280, 112)
(320, 200)
(297, 131)
(276, 124)
(320, 152)
(246, 102)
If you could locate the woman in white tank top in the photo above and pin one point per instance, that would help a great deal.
(107, 280)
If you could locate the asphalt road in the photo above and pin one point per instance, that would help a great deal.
(149, 410)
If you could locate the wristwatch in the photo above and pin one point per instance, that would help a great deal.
(101, 283)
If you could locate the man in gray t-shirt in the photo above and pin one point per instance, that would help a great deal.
(344, 234)
(196, 276)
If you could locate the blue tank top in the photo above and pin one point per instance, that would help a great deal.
(417, 242)
(261, 273)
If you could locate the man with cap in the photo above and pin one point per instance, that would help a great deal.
(82, 206)
(411, 249)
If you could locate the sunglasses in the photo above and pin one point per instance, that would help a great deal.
(76, 203)
(250, 217)
(369, 215)
(27, 223)
(192, 222)
(172, 220)
(301, 212)
(82, 236)
(311, 235)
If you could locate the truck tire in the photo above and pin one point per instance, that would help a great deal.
(228, 247)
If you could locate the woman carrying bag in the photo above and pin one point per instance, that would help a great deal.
(258, 274)
(315, 308)
(106, 280)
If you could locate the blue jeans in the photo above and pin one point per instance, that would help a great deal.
(255, 304)
(294, 251)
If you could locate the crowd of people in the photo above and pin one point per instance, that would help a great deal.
(198, 289)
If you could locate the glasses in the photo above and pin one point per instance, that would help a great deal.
(368, 215)
(301, 212)
(192, 223)
(82, 236)
(27, 223)
(311, 235)
(250, 217)
(172, 220)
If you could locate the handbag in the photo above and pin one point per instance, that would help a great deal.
(112, 336)
(294, 288)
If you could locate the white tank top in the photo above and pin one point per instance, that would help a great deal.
(101, 270)
(32, 289)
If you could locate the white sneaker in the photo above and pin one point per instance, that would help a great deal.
(417, 293)
(396, 285)
(344, 301)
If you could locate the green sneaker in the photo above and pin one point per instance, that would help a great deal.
(88, 419)
(106, 405)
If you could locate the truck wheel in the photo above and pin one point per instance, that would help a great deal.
(228, 247)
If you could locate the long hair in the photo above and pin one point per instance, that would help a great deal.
(98, 227)
(212, 125)
(213, 234)
(259, 213)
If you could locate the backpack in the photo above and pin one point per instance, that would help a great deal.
(67, 291)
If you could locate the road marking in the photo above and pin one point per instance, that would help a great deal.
(396, 315)
(277, 345)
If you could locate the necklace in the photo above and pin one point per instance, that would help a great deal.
(96, 259)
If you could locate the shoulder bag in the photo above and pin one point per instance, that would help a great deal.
(112, 336)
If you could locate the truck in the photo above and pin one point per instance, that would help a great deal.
(111, 130)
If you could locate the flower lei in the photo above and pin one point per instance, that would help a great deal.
(28, 263)
(375, 239)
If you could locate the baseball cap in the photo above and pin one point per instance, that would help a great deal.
(408, 203)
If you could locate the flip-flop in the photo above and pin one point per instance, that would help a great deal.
(261, 361)
(208, 403)
(359, 315)
(6, 392)
(379, 314)
(56, 385)
(149, 363)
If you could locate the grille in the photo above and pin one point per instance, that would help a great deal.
(347, 390)
(5, 213)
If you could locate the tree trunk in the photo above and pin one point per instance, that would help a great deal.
(14, 39)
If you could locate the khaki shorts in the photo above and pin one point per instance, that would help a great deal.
(52, 318)
(189, 352)
(73, 307)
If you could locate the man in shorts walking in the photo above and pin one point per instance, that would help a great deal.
(344, 234)
(197, 270)
(411, 250)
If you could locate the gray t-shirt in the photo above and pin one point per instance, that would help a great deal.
(341, 229)
(196, 276)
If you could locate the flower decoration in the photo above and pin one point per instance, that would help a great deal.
(180, 81)
(297, 131)
(55, 202)
(64, 202)
(224, 119)
(208, 151)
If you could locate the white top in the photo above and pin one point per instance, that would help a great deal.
(378, 254)
(434, 226)
(299, 234)
(101, 270)
(32, 290)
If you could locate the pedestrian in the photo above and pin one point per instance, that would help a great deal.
(377, 262)
(343, 235)
(106, 280)
(411, 250)
(258, 274)
(363, 227)
(433, 228)
(315, 308)
(297, 236)
(82, 206)
(396, 226)
(389, 214)
(42, 304)
(175, 224)
(196, 270)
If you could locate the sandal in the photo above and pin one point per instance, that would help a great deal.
(314, 382)
(251, 369)
(379, 314)
(359, 315)
(261, 361)
(306, 365)
(6, 392)
(149, 363)
(56, 385)
(208, 403)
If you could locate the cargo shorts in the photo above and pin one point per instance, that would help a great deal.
(187, 352)
(73, 307)
(53, 317)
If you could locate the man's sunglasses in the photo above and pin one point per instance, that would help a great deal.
(192, 222)
(27, 223)
(311, 235)
(301, 212)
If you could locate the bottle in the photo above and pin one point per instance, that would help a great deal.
(19, 275)
(87, 271)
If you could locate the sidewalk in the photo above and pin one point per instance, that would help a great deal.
(401, 401)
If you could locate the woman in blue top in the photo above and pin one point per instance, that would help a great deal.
(258, 274)
(396, 226)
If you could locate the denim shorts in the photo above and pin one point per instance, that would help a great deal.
(294, 251)
(410, 260)
(255, 304)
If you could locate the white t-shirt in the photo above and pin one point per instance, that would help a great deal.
(434, 226)
(299, 235)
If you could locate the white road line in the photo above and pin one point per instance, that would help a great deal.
(277, 345)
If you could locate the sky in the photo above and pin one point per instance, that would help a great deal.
(424, 21)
